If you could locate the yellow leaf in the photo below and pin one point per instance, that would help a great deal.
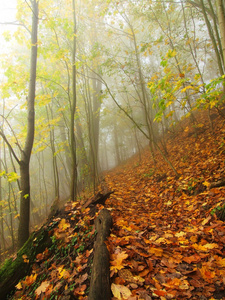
(205, 221)
(186, 88)
(63, 273)
(139, 279)
(156, 251)
(206, 247)
(206, 183)
(120, 291)
(211, 246)
(19, 286)
(179, 234)
(116, 263)
(63, 225)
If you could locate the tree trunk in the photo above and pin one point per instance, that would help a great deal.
(23, 231)
(100, 279)
(221, 19)
(73, 189)
(116, 142)
(213, 38)
(2, 235)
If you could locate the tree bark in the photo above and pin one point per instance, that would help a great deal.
(100, 277)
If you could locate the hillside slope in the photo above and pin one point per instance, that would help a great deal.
(167, 240)
(170, 240)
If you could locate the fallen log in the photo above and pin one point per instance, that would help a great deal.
(17, 267)
(100, 277)
(99, 198)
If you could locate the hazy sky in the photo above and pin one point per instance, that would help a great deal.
(7, 10)
(7, 14)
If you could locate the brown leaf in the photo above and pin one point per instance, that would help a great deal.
(42, 288)
(79, 291)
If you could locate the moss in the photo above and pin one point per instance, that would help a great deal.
(16, 268)
(11, 264)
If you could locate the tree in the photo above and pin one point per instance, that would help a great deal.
(221, 21)
(73, 190)
(24, 161)
(23, 231)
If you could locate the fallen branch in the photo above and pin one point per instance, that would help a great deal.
(217, 184)
(100, 277)
(97, 199)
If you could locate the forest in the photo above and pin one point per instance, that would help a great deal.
(115, 104)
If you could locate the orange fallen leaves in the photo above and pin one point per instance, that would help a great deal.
(156, 251)
(164, 244)
(117, 260)
(164, 223)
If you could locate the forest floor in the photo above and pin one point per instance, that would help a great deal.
(167, 241)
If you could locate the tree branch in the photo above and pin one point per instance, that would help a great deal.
(10, 147)
(17, 24)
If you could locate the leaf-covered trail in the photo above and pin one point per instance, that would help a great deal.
(165, 242)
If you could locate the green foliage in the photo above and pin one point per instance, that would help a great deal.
(213, 95)
(11, 177)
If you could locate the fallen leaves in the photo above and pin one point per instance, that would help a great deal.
(164, 224)
(165, 243)
(120, 291)
(64, 267)
(117, 260)
(42, 288)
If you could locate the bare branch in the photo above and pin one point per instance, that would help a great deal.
(10, 147)
(16, 23)
(17, 142)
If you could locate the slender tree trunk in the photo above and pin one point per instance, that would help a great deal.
(94, 130)
(54, 158)
(73, 190)
(2, 236)
(117, 146)
(221, 19)
(23, 231)
(82, 159)
(213, 38)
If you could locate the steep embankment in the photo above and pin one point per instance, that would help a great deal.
(166, 242)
